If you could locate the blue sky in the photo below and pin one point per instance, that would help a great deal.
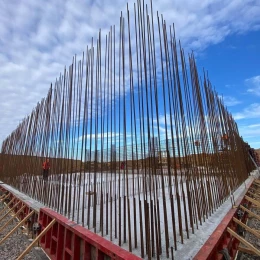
(38, 38)
(233, 67)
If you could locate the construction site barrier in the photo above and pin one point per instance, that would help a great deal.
(68, 240)
(221, 241)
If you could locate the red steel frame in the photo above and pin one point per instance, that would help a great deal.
(68, 240)
(220, 238)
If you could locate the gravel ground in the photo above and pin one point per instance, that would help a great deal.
(17, 243)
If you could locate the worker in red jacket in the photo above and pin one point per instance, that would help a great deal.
(45, 167)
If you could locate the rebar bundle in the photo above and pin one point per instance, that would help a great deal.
(142, 150)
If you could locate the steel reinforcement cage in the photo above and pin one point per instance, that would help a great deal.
(141, 148)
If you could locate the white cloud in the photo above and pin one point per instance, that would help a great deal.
(254, 126)
(249, 134)
(252, 111)
(230, 101)
(100, 136)
(39, 37)
(253, 85)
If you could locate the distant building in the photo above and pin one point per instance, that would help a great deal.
(87, 155)
(163, 157)
(153, 147)
(113, 152)
(170, 148)
(97, 156)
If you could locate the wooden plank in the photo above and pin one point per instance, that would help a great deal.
(10, 210)
(255, 207)
(27, 250)
(17, 226)
(246, 227)
(250, 212)
(5, 196)
(257, 181)
(256, 230)
(257, 203)
(254, 194)
(253, 189)
(246, 250)
(243, 241)
(6, 206)
(256, 184)
(11, 219)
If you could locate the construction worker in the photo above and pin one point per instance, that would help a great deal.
(122, 166)
(45, 168)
